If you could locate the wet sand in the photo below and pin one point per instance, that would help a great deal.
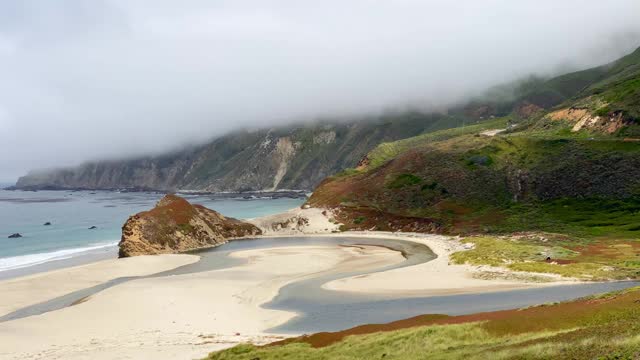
(181, 316)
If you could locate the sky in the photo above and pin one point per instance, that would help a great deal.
(83, 80)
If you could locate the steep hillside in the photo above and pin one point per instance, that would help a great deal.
(292, 157)
(572, 169)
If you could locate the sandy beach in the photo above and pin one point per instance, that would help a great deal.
(184, 316)
(188, 316)
(439, 276)
(436, 277)
(32, 289)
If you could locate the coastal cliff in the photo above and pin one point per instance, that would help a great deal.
(175, 225)
(297, 157)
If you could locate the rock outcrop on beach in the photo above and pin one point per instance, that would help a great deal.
(175, 225)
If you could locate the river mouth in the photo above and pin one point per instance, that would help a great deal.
(320, 309)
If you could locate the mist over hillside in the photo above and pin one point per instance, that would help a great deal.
(300, 156)
(113, 79)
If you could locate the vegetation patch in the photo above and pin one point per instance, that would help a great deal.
(404, 180)
(585, 218)
(540, 254)
(346, 172)
(359, 220)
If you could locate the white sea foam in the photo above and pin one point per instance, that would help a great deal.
(22, 261)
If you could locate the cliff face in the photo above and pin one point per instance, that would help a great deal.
(293, 157)
(175, 225)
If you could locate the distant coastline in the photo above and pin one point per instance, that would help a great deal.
(70, 239)
(250, 194)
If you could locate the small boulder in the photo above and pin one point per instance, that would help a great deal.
(93, 227)
(306, 206)
(15, 236)
(47, 223)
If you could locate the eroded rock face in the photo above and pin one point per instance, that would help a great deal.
(299, 157)
(175, 225)
(584, 119)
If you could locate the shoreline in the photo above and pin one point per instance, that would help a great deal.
(189, 315)
(181, 316)
(82, 258)
(287, 193)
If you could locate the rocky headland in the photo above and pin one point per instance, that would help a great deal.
(174, 225)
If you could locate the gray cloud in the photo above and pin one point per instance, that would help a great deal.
(96, 79)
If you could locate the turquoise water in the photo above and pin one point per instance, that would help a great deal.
(71, 214)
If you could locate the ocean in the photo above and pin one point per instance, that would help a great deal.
(73, 213)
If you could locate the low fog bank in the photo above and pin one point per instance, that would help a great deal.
(112, 79)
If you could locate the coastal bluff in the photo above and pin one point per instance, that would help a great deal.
(174, 225)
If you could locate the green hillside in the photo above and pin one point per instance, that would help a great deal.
(570, 173)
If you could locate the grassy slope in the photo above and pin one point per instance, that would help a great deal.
(539, 177)
(604, 327)
(471, 183)
(564, 255)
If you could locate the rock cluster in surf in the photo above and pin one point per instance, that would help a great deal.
(175, 225)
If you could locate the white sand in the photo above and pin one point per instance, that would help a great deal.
(436, 277)
(33, 289)
(188, 316)
(181, 317)
(316, 221)
(439, 276)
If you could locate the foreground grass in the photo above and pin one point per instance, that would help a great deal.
(447, 342)
(603, 327)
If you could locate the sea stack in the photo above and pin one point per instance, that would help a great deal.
(174, 225)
